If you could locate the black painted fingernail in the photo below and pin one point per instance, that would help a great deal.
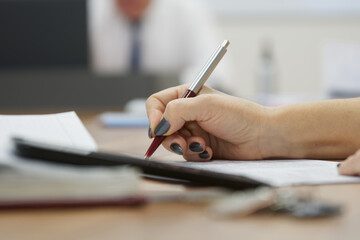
(196, 147)
(162, 128)
(204, 155)
(176, 148)
(339, 164)
(149, 132)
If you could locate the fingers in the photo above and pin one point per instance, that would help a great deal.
(168, 112)
(351, 166)
(183, 110)
(192, 148)
(156, 104)
(168, 105)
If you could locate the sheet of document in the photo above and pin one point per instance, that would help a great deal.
(64, 129)
(24, 180)
(280, 172)
(35, 182)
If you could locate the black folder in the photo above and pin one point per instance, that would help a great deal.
(37, 151)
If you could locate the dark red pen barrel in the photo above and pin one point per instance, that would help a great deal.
(159, 139)
(189, 94)
(154, 145)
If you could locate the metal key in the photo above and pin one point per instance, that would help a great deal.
(301, 206)
(278, 200)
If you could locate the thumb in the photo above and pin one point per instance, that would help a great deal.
(182, 110)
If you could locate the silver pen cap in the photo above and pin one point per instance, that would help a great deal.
(209, 67)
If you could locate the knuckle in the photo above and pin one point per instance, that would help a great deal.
(209, 99)
(205, 98)
(174, 106)
(149, 101)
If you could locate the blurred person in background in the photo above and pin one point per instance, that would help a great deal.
(157, 37)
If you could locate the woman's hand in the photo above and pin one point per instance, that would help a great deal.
(219, 126)
(351, 166)
(211, 125)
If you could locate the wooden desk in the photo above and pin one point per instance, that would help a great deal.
(175, 220)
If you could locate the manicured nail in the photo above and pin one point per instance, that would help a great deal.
(176, 148)
(339, 164)
(196, 147)
(162, 128)
(204, 155)
(149, 132)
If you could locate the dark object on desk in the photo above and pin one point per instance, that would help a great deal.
(314, 209)
(50, 153)
(133, 201)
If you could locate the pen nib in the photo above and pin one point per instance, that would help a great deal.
(146, 157)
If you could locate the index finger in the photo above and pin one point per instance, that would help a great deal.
(351, 166)
(156, 103)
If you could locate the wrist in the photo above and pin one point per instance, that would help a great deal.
(305, 131)
(272, 138)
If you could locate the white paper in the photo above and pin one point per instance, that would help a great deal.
(21, 179)
(280, 172)
(61, 182)
(63, 129)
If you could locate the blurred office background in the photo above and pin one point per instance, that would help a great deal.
(280, 52)
(314, 46)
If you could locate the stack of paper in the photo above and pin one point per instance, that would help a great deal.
(23, 181)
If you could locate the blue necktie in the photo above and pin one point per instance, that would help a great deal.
(135, 48)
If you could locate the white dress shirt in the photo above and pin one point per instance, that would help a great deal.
(177, 37)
